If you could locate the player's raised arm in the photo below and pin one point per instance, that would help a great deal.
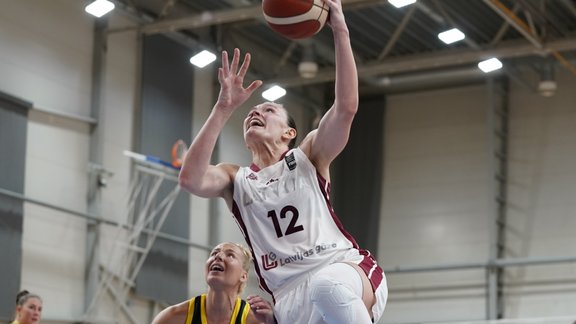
(334, 128)
(197, 175)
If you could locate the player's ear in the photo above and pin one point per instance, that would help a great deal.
(290, 133)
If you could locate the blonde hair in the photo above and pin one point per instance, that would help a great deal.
(245, 264)
(247, 255)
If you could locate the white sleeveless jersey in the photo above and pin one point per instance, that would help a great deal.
(288, 222)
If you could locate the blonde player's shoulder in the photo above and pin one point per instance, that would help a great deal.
(175, 314)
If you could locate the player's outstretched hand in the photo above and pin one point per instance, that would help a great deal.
(231, 78)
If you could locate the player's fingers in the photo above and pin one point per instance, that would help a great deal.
(253, 86)
(235, 60)
(225, 66)
(220, 74)
(245, 65)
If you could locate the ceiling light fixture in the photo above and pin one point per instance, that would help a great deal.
(401, 3)
(451, 36)
(203, 58)
(274, 93)
(99, 8)
(547, 85)
(490, 65)
(547, 88)
(308, 68)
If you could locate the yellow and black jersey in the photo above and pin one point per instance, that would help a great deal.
(197, 311)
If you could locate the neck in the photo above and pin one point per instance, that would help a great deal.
(220, 304)
(265, 155)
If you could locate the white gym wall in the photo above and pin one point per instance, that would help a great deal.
(437, 202)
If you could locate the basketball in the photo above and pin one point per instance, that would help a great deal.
(295, 19)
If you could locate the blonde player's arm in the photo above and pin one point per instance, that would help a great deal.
(175, 314)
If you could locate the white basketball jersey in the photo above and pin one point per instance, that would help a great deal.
(287, 220)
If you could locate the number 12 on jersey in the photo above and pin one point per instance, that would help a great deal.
(292, 227)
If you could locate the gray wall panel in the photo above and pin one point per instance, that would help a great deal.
(13, 126)
(166, 116)
(357, 174)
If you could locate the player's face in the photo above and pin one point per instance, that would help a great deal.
(267, 121)
(30, 311)
(224, 267)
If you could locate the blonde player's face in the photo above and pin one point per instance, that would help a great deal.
(265, 121)
(224, 267)
(30, 312)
